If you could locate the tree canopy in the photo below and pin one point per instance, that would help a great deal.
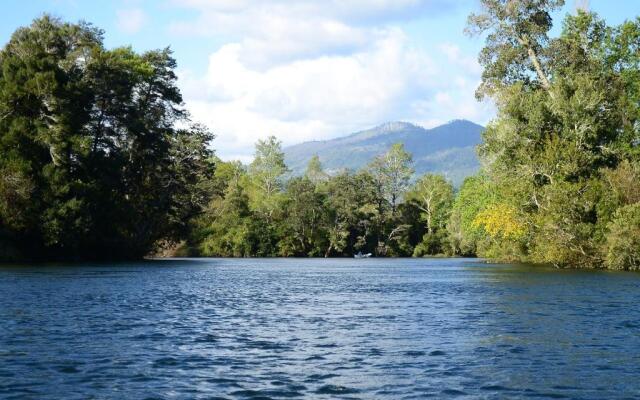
(92, 164)
(98, 158)
(313, 215)
(566, 137)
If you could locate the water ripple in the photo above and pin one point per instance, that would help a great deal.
(326, 329)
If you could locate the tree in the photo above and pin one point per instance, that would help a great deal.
(500, 221)
(268, 166)
(474, 196)
(266, 174)
(392, 173)
(314, 171)
(225, 229)
(303, 229)
(623, 241)
(567, 118)
(88, 134)
(433, 196)
(352, 211)
(227, 173)
(517, 32)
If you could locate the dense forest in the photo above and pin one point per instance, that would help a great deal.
(561, 179)
(98, 159)
(256, 211)
(92, 164)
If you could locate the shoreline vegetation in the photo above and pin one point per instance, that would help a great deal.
(93, 165)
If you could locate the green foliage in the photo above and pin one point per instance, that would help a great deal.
(392, 172)
(475, 195)
(560, 162)
(266, 174)
(303, 231)
(433, 196)
(317, 215)
(352, 213)
(565, 233)
(92, 166)
(623, 241)
(432, 244)
(561, 158)
(517, 32)
(228, 228)
(623, 182)
(314, 171)
(268, 166)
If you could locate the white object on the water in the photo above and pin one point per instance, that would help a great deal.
(360, 255)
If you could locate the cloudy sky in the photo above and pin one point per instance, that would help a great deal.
(302, 69)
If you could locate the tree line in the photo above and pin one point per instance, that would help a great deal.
(98, 158)
(560, 176)
(261, 211)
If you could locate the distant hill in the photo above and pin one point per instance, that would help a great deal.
(447, 149)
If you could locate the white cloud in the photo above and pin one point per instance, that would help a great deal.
(274, 31)
(455, 56)
(313, 70)
(309, 98)
(131, 20)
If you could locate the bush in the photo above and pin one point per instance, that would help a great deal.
(432, 244)
(623, 242)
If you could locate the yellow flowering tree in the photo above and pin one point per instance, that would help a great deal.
(501, 221)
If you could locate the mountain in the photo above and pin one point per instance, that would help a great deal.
(447, 149)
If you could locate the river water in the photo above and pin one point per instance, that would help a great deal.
(326, 329)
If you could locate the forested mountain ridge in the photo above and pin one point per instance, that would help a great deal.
(448, 149)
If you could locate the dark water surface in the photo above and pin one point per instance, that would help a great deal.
(383, 329)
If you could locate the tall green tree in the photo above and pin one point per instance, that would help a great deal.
(433, 196)
(476, 195)
(314, 171)
(304, 227)
(352, 210)
(266, 174)
(226, 227)
(567, 117)
(88, 134)
(392, 172)
(517, 35)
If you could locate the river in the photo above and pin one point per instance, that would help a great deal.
(310, 328)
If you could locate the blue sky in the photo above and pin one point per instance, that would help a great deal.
(305, 69)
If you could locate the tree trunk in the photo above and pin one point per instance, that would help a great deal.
(328, 252)
(533, 57)
(536, 64)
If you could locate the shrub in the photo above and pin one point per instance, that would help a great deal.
(623, 242)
